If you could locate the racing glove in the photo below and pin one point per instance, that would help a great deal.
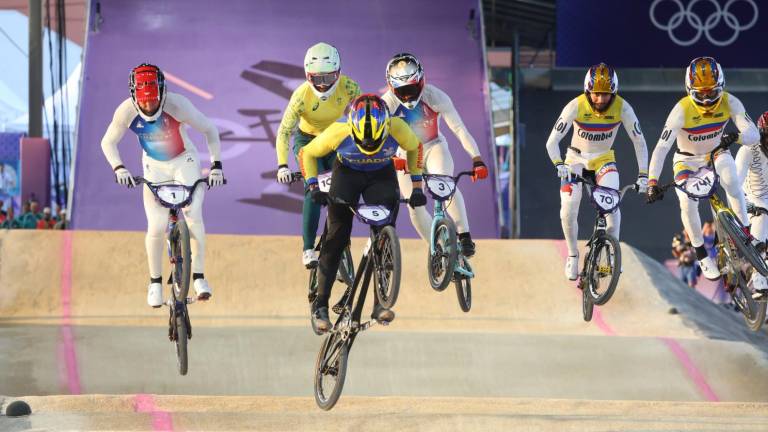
(284, 174)
(642, 183)
(123, 177)
(563, 171)
(479, 169)
(654, 193)
(728, 139)
(216, 176)
(316, 195)
(417, 198)
(400, 164)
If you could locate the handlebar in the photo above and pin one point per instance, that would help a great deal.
(579, 179)
(141, 180)
(722, 146)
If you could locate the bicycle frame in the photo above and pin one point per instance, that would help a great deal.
(439, 213)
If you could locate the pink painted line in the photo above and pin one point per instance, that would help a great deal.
(69, 372)
(690, 368)
(597, 316)
(679, 352)
(161, 420)
(187, 86)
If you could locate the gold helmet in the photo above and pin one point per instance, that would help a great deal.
(704, 82)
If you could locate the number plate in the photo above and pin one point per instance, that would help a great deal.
(702, 183)
(324, 181)
(441, 187)
(373, 214)
(172, 194)
(606, 199)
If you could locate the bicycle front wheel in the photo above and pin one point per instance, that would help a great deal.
(734, 230)
(330, 371)
(441, 263)
(347, 268)
(604, 269)
(387, 267)
(181, 260)
(182, 337)
(587, 306)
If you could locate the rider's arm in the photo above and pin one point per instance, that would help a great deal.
(632, 126)
(743, 162)
(444, 106)
(749, 135)
(408, 141)
(320, 146)
(668, 135)
(288, 124)
(121, 121)
(562, 126)
(185, 112)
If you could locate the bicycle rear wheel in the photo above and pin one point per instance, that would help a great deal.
(752, 310)
(604, 269)
(734, 230)
(387, 267)
(464, 286)
(330, 371)
(440, 265)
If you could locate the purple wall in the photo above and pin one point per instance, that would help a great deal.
(36, 169)
(248, 56)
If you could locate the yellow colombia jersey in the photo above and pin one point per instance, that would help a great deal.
(311, 114)
(590, 125)
(703, 126)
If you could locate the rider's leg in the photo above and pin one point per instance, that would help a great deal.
(347, 185)
(726, 168)
(157, 219)
(382, 189)
(608, 176)
(310, 211)
(570, 199)
(420, 218)
(188, 172)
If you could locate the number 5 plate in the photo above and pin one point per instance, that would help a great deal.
(373, 214)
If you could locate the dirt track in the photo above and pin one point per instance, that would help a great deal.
(522, 358)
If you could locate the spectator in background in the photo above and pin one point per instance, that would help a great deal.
(61, 223)
(686, 259)
(10, 221)
(708, 230)
(27, 219)
(46, 221)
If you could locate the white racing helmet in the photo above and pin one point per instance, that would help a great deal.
(405, 77)
(321, 67)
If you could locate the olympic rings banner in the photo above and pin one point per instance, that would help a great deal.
(661, 33)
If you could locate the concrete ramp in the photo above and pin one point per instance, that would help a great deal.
(73, 320)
